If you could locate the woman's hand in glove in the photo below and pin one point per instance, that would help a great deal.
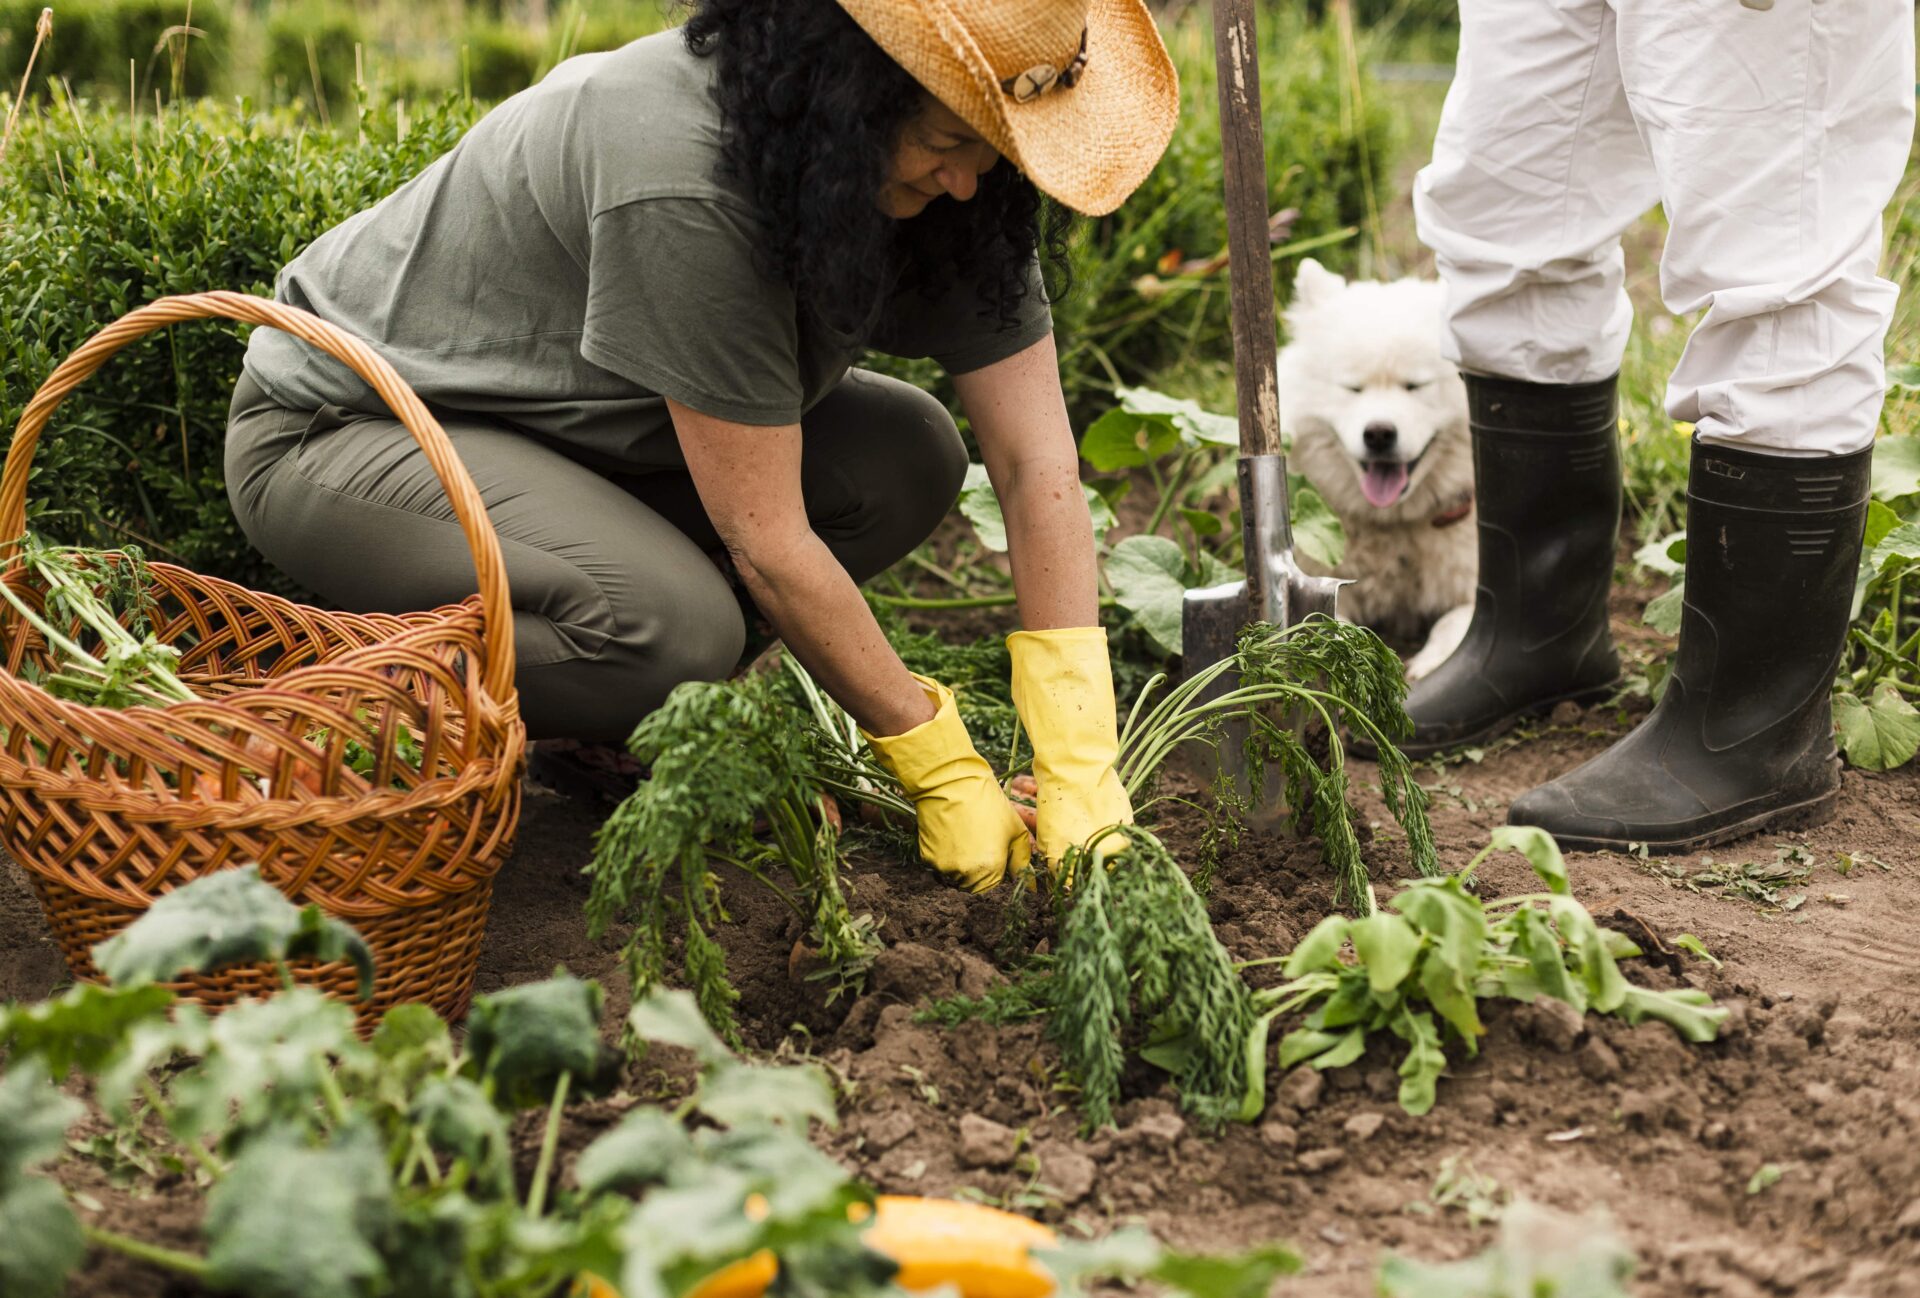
(968, 829)
(1063, 689)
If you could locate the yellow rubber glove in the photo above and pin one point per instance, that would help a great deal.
(1063, 689)
(968, 829)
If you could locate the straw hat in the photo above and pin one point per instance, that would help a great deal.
(1079, 94)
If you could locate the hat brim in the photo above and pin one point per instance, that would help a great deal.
(1088, 145)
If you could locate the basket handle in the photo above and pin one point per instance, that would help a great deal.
(496, 610)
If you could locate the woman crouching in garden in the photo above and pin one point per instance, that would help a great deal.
(632, 295)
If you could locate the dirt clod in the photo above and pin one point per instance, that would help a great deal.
(986, 1143)
(1316, 1161)
(1598, 1062)
(1364, 1126)
(1278, 1134)
(1067, 1171)
(1551, 1022)
(1300, 1090)
(888, 1130)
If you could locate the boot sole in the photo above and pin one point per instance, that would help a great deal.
(1797, 815)
(1418, 751)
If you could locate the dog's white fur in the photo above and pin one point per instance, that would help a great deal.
(1367, 353)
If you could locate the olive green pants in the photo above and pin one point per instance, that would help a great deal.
(616, 595)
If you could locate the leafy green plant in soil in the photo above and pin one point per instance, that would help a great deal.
(337, 1168)
(1422, 966)
(725, 759)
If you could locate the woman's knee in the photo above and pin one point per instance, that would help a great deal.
(885, 464)
(602, 693)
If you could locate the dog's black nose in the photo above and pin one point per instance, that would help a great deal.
(1380, 437)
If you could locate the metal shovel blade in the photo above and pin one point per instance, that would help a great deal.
(1275, 590)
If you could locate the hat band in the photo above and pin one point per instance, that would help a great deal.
(1042, 77)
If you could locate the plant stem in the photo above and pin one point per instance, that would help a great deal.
(171, 1259)
(549, 1145)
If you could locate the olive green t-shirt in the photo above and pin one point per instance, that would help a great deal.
(577, 259)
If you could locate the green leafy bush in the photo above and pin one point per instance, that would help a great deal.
(98, 216)
(94, 41)
(310, 56)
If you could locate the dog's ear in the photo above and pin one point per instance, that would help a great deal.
(1314, 284)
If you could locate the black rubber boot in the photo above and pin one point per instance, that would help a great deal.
(1742, 740)
(1546, 469)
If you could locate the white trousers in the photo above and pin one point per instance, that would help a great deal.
(1773, 132)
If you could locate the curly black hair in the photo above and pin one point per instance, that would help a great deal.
(811, 110)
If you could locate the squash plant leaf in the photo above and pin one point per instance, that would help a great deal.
(1542, 853)
(231, 917)
(43, 1240)
(458, 1118)
(522, 1039)
(265, 1062)
(1246, 1275)
(290, 1221)
(1148, 575)
(1880, 733)
(642, 1150)
(980, 506)
(1317, 532)
(736, 1093)
(1896, 467)
(83, 1027)
(34, 1118)
(673, 1018)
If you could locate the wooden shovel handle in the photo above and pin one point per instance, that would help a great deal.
(1236, 50)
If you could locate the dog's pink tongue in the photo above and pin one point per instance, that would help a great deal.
(1383, 481)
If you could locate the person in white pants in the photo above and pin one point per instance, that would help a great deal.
(1773, 133)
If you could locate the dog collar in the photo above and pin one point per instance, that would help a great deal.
(1454, 513)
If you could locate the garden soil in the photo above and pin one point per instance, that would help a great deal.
(1779, 1161)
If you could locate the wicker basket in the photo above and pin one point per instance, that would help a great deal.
(108, 809)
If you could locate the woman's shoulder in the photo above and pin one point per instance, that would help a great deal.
(642, 121)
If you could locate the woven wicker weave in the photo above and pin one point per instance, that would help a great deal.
(108, 809)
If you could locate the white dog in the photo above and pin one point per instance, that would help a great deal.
(1378, 424)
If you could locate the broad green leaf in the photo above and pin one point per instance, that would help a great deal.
(1535, 941)
(263, 1062)
(1320, 948)
(1896, 549)
(1606, 985)
(1453, 918)
(1126, 1254)
(458, 1118)
(522, 1039)
(289, 1221)
(1387, 945)
(1896, 467)
(84, 1026)
(1148, 576)
(1253, 1100)
(1203, 523)
(43, 1243)
(1540, 1254)
(1881, 520)
(1346, 1051)
(148, 1045)
(1690, 1013)
(643, 1149)
(736, 1093)
(1664, 610)
(1303, 1044)
(34, 1117)
(1453, 999)
(1123, 439)
(1542, 853)
(1100, 509)
(796, 1179)
(231, 917)
(1667, 555)
(1317, 531)
(981, 507)
(1420, 1070)
(1878, 735)
(1905, 375)
(1696, 948)
(409, 1029)
(673, 1018)
(1241, 1275)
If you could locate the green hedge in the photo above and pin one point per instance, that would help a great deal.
(310, 56)
(215, 201)
(94, 41)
